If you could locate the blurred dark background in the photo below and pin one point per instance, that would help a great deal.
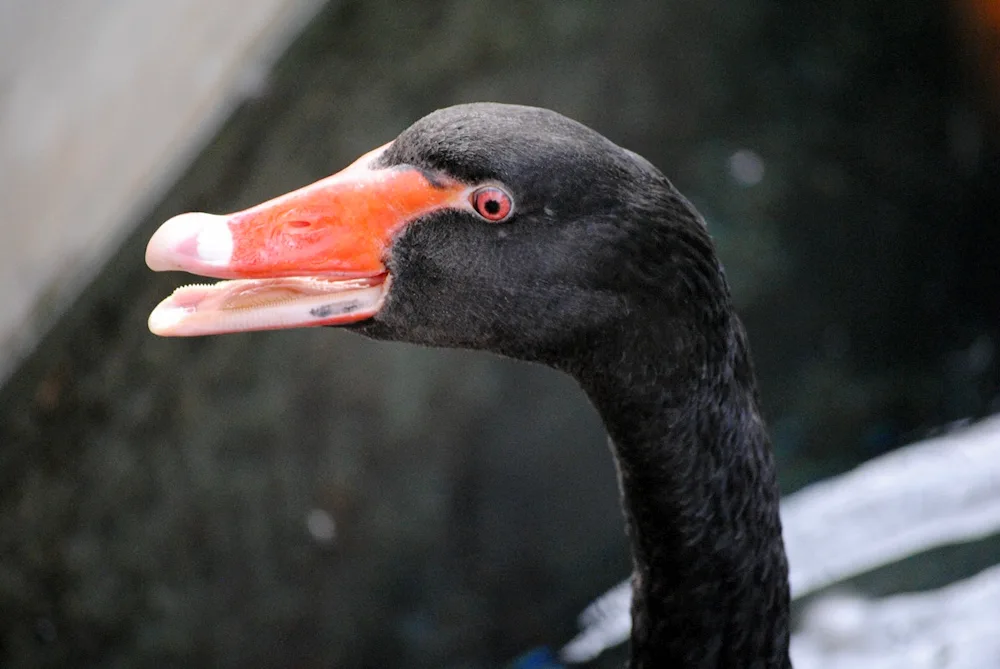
(313, 499)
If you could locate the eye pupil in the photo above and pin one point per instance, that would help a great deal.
(492, 207)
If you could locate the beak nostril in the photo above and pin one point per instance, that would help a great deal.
(299, 224)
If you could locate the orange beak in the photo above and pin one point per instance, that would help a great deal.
(315, 256)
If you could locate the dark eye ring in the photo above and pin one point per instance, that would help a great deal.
(492, 203)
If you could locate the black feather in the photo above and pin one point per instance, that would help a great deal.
(606, 272)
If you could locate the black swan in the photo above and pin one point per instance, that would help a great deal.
(516, 230)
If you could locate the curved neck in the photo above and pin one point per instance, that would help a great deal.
(699, 493)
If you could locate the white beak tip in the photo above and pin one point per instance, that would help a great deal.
(188, 242)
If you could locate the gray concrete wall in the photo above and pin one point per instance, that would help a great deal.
(102, 103)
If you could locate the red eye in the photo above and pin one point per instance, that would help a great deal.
(491, 203)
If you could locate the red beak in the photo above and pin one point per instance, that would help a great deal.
(315, 256)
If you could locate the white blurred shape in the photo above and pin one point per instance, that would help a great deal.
(321, 525)
(746, 167)
(955, 627)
